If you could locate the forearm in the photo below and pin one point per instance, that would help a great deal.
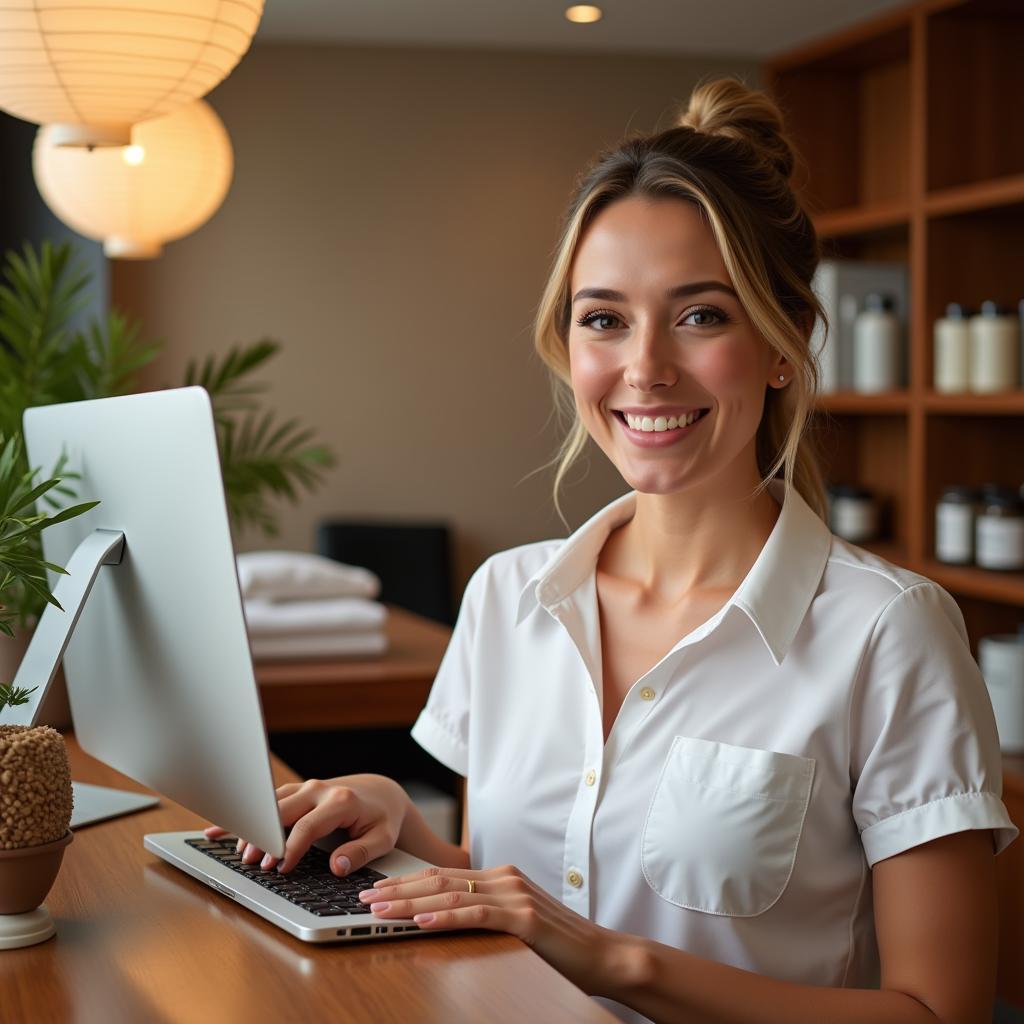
(417, 838)
(669, 985)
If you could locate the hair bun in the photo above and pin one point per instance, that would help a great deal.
(728, 109)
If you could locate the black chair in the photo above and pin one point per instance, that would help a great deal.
(413, 561)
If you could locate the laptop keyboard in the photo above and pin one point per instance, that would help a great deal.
(310, 884)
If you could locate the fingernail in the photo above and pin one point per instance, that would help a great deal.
(423, 918)
(343, 864)
(265, 863)
(239, 846)
(379, 908)
(368, 894)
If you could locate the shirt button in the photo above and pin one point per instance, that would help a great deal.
(647, 693)
(574, 878)
(591, 777)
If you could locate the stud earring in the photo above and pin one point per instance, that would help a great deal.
(781, 377)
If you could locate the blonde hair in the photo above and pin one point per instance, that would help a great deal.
(728, 154)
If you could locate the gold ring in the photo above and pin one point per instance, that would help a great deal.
(472, 885)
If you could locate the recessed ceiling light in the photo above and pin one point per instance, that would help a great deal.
(583, 14)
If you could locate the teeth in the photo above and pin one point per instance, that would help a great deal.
(659, 423)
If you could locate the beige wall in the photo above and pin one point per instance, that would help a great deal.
(391, 221)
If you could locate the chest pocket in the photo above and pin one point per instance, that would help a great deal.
(723, 827)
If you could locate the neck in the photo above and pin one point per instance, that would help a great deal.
(700, 539)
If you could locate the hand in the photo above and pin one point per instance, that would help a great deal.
(371, 808)
(505, 900)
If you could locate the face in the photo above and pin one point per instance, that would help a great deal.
(658, 338)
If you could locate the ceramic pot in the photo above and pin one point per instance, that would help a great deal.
(26, 874)
(35, 814)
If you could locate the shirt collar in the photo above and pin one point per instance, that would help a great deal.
(775, 594)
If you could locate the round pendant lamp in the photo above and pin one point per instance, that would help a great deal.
(95, 69)
(135, 198)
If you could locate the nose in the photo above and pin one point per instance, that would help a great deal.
(650, 359)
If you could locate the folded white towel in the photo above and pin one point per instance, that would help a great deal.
(340, 645)
(318, 618)
(300, 576)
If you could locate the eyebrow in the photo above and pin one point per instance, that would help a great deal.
(679, 292)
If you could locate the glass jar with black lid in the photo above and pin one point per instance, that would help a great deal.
(999, 532)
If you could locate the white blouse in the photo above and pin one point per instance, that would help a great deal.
(828, 716)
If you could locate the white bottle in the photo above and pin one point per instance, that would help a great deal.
(952, 357)
(877, 349)
(995, 350)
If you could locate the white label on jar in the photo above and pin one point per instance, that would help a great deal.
(954, 532)
(1000, 542)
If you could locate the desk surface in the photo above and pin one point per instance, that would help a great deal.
(138, 941)
(377, 692)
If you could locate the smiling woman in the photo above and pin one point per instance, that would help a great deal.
(719, 762)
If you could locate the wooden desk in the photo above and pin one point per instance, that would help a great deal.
(375, 693)
(139, 942)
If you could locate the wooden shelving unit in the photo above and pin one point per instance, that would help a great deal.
(905, 125)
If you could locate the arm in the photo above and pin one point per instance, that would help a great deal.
(417, 838)
(935, 918)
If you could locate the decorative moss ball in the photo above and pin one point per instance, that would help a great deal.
(35, 786)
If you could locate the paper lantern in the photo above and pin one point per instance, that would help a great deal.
(95, 69)
(134, 198)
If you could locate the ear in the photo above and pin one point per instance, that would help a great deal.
(779, 367)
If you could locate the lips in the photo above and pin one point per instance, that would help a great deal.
(659, 438)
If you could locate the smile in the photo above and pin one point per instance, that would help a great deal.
(658, 431)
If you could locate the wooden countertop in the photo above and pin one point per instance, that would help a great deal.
(139, 941)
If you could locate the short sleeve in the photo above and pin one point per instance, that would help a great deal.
(925, 758)
(442, 728)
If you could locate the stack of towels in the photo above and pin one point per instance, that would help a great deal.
(299, 605)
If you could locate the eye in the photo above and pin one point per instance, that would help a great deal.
(600, 320)
(706, 316)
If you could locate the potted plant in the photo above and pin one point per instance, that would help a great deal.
(44, 359)
(35, 781)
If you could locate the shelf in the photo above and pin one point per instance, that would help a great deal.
(1008, 403)
(974, 76)
(983, 195)
(857, 404)
(991, 585)
(847, 108)
(858, 220)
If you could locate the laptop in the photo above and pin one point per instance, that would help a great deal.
(157, 660)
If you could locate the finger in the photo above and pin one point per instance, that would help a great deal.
(480, 915)
(356, 853)
(287, 789)
(320, 821)
(420, 886)
(418, 876)
(251, 854)
(215, 832)
(453, 900)
(295, 805)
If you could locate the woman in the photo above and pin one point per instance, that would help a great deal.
(740, 769)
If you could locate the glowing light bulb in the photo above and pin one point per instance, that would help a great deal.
(583, 14)
(133, 155)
